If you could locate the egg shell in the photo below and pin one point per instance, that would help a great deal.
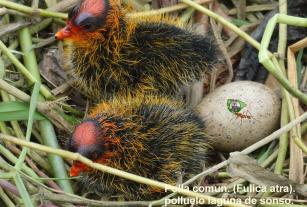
(258, 114)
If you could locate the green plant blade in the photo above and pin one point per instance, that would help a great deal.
(23, 191)
(18, 116)
(12, 106)
(16, 111)
(33, 104)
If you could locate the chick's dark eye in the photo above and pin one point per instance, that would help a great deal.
(87, 26)
(86, 21)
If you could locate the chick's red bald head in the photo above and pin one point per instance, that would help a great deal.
(85, 17)
(87, 139)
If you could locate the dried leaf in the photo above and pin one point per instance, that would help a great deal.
(8, 28)
(50, 68)
(245, 167)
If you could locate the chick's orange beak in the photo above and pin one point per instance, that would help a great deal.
(63, 33)
(77, 168)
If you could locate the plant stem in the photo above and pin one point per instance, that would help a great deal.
(281, 50)
(33, 103)
(224, 22)
(283, 140)
(40, 26)
(164, 10)
(45, 92)
(11, 157)
(32, 11)
(23, 191)
(267, 61)
(45, 127)
(64, 5)
(6, 200)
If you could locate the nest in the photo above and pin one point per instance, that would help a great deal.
(39, 109)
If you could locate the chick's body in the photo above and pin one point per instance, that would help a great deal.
(151, 137)
(126, 55)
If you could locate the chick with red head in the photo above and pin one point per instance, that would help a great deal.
(148, 136)
(109, 54)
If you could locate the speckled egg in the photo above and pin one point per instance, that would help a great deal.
(239, 114)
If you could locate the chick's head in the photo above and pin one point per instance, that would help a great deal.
(87, 19)
(91, 139)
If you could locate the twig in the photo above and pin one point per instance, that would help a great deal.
(8, 28)
(255, 8)
(222, 47)
(4, 11)
(32, 11)
(163, 10)
(44, 42)
(46, 195)
(33, 166)
(40, 26)
(63, 5)
(224, 22)
(9, 187)
(61, 196)
(23, 69)
(23, 191)
(283, 140)
(13, 159)
(241, 9)
(6, 199)
(246, 27)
